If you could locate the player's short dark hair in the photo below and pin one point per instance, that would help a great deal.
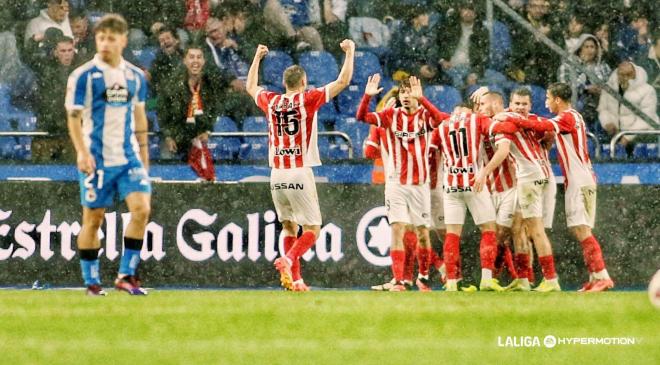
(115, 23)
(293, 75)
(522, 91)
(561, 90)
(168, 29)
(192, 45)
(498, 95)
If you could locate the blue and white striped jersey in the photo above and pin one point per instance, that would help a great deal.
(107, 97)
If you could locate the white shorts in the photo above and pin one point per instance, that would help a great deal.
(581, 206)
(549, 201)
(480, 206)
(437, 209)
(294, 195)
(505, 205)
(410, 204)
(530, 197)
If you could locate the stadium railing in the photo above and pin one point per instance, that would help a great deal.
(618, 136)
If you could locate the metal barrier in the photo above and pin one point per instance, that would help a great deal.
(595, 139)
(342, 135)
(618, 136)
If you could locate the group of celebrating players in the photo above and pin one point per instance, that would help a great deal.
(488, 160)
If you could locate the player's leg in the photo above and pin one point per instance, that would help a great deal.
(88, 249)
(521, 257)
(410, 242)
(438, 225)
(139, 205)
(483, 213)
(580, 223)
(455, 210)
(504, 221)
(424, 250)
(419, 210)
(290, 232)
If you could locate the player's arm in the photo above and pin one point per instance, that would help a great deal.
(539, 125)
(363, 110)
(85, 160)
(503, 147)
(251, 85)
(346, 73)
(141, 130)
(416, 92)
(372, 144)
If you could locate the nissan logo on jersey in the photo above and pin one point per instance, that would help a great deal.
(376, 248)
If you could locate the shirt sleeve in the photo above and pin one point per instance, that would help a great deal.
(315, 98)
(76, 90)
(142, 89)
(435, 139)
(263, 98)
(564, 122)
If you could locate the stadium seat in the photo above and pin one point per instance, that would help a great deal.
(224, 148)
(444, 97)
(254, 148)
(274, 65)
(145, 56)
(278, 88)
(320, 66)
(327, 113)
(366, 64)
(5, 96)
(25, 122)
(7, 144)
(652, 151)
(500, 46)
(356, 130)
(349, 100)
(538, 101)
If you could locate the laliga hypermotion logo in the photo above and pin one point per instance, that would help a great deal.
(375, 249)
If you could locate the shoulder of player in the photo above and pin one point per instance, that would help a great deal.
(135, 69)
(82, 69)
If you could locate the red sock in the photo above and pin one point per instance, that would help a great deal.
(499, 261)
(398, 261)
(410, 245)
(508, 260)
(423, 260)
(303, 243)
(295, 266)
(593, 256)
(436, 261)
(488, 250)
(548, 266)
(451, 253)
(522, 266)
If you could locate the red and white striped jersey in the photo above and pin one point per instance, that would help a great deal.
(435, 160)
(503, 177)
(571, 142)
(377, 141)
(461, 143)
(528, 153)
(407, 139)
(292, 127)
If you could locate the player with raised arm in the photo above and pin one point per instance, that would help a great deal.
(293, 151)
(532, 174)
(107, 123)
(407, 196)
(579, 179)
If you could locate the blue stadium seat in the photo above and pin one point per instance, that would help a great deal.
(356, 130)
(278, 88)
(444, 97)
(7, 144)
(640, 151)
(254, 148)
(5, 96)
(320, 66)
(224, 148)
(327, 113)
(274, 65)
(500, 46)
(145, 56)
(25, 122)
(349, 100)
(652, 150)
(538, 101)
(366, 64)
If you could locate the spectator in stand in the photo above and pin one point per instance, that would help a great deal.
(633, 40)
(463, 46)
(531, 62)
(590, 55)
(630, 80)
(574, 31)
(414, 45)
(52, 71)
(83, 39)
(651, 64)
(197, 13)
(333, 28)
(54, 16)
(295, 19)
(11, 67)
(602, 32)
(189, 103)
(168, 59)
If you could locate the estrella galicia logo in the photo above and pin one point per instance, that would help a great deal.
(374, 236)
(116, 95)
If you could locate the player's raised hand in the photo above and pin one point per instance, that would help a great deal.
(415, 88)
(372, 85)
(347, 45)
(477, 94)
(86, 163)
(262, 51)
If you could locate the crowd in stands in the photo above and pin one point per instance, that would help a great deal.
(446, 43)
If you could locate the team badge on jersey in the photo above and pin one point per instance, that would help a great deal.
(116, 95)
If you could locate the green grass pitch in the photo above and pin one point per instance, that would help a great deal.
(322, 327)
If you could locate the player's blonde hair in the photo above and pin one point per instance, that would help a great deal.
(293, 75)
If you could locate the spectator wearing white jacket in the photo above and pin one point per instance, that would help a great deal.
(631, 82)
(54, 16)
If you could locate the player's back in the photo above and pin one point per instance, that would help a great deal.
(292, 127)
(461, 144)
(107, 96)
(572, 147)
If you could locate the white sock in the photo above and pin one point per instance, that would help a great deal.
(601, 275)
(486, 274)
(420, 276)
(524, 281)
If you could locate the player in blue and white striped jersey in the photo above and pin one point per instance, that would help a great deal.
(107, 123)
